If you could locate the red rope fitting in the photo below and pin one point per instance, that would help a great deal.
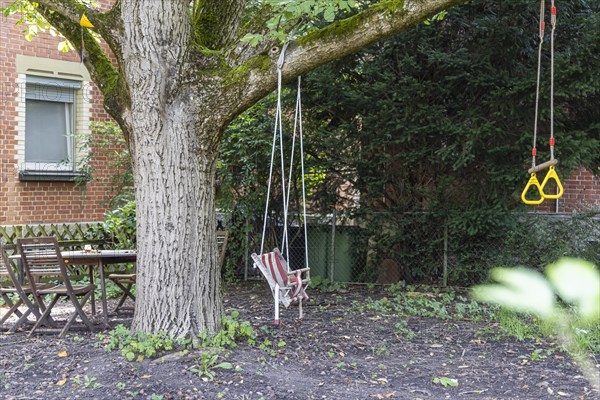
(551, 142)
(534, 152)
(542, 25)
(553, 10)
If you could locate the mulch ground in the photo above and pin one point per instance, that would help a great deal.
(331, 354)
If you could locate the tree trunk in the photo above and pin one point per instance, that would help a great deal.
(174, 149)
(179, 288)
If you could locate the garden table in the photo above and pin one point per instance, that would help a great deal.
(98, 259)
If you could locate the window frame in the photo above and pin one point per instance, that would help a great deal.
(53, 90)
(45, 71)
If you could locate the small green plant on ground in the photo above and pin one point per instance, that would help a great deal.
(138, 345)
(268, 347)
(380, 350)
(135, 346)
(449, 304)
(520, 327)
(432, 303)
(537, 355)
(445, 381)
(233, 331)
(402, 331)
(576, 283)
(208, 362)
(88, 382)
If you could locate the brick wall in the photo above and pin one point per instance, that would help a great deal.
(42, 202)
(581, 192)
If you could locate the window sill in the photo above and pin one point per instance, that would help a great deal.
(49, 176)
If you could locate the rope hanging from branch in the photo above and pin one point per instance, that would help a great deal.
(551, 175)
(297, 136)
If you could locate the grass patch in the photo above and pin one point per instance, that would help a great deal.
(451, 304)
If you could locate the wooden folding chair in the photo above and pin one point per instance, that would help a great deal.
(286, 286)
(125, 282)
(11, 285)
(41, 259)
(222, 246)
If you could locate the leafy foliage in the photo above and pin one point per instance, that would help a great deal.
(34, 23)
(233, 330)
(430, 130)
(135, 346)
(445, 381)
(435, 126)
(207, 365)
(440, 117)
(120, 226)
(407, 302)
(575, 282)
(534, 240)
(293, 18)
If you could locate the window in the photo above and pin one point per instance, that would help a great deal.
(54, 106)
(49, 124)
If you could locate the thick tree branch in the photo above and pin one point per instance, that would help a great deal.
(100, 67)
(107, 25)
(337, 40)
(70, 9)
(216, 22)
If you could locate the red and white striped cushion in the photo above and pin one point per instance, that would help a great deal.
(278, 269)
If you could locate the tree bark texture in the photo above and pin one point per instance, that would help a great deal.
(178, 288)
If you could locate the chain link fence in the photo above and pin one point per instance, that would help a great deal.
(424, 248)
(386, 248)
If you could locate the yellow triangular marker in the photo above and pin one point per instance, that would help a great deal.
(549, 176)
(536, 184)
(85, 22)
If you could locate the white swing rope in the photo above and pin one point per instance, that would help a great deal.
(275, 131)
(305, 221)
(297, 132)
(278, 131)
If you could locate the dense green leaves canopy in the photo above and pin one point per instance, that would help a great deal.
(441, 117)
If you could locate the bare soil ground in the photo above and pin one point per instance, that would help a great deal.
(331, 354)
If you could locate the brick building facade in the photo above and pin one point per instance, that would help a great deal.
(43, 90)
